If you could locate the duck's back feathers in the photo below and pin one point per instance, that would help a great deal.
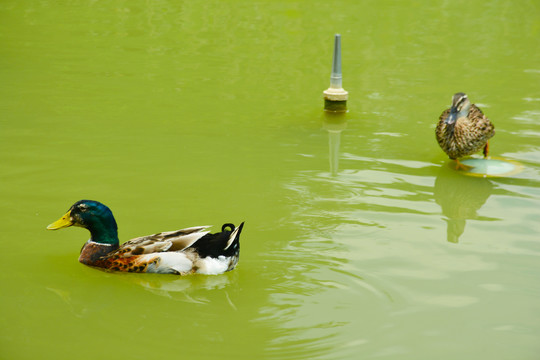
(164, 241)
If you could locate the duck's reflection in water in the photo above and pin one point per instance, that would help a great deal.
(460, 197)
(190, 288)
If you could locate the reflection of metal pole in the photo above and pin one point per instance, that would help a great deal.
(334, 123)
(334, 140)
(335, 97)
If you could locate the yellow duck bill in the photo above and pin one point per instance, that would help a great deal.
(63, 222)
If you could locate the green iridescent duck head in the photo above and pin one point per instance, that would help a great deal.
(460, 108)
(91, 215)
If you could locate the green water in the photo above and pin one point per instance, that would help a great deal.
(361, 241)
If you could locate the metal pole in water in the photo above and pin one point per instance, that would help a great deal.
(335, 97)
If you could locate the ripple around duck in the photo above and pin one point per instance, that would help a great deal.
(317, 299)
(372, 247)
(192, 289)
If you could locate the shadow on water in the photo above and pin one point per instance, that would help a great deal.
(460, 198)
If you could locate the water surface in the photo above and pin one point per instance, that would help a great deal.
(361, 240)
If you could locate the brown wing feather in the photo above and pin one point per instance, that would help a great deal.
(477, 130)
(165, 241)
(482, 125)
(440, 130)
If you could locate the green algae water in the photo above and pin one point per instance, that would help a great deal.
(361, 240)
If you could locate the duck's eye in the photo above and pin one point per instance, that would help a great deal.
(83, 207)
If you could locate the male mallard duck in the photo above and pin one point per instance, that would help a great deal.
(181, 252)
(463, 129)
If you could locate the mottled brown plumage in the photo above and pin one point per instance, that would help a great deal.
(463, 129)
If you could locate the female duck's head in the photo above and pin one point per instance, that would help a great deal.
(460, 108)
(91, 215)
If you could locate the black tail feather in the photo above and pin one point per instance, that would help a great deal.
(217, 244)
(228, 225)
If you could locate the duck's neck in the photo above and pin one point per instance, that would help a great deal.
(104, 232)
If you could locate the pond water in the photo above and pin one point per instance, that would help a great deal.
(361, 240)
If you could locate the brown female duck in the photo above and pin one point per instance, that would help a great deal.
(463, 129)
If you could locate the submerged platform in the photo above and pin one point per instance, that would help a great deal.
(492, 167)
